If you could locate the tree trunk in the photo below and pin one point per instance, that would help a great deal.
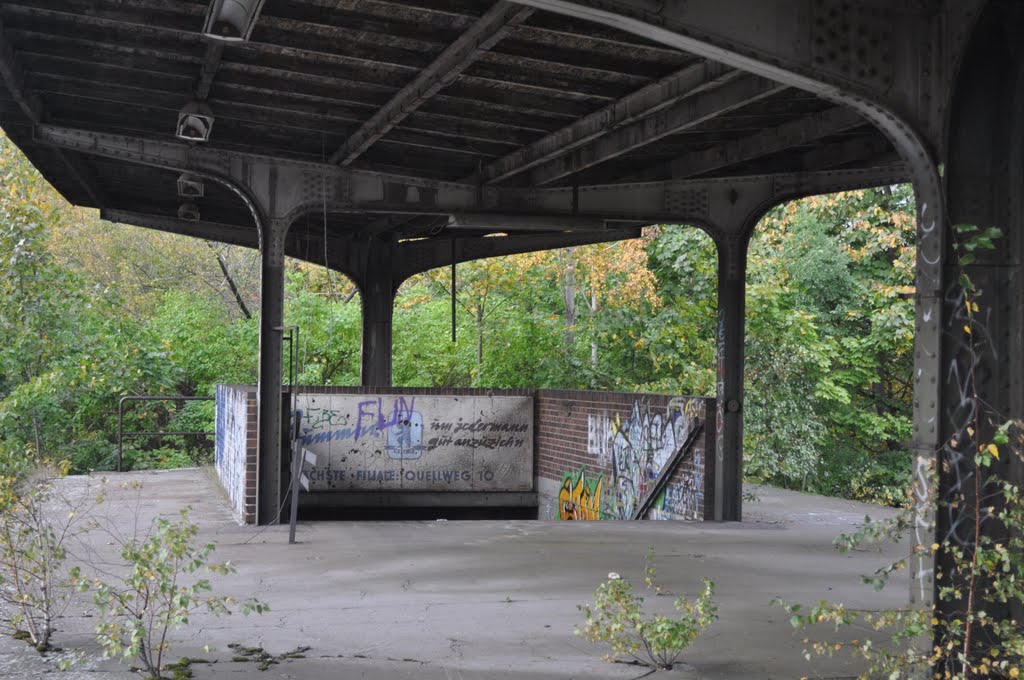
(569, 297)
(879, 387)
(479, 336)
(592, 306)
(230, 281)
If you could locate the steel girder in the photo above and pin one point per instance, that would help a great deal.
(283, 190)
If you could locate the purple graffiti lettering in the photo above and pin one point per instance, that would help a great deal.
(401, 411)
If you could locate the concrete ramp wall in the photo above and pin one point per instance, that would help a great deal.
(418, 442)
(568, 454)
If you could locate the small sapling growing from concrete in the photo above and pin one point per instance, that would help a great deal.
(617, 619)
(158, 593)
(36, 524)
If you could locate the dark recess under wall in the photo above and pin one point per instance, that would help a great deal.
(351, 514)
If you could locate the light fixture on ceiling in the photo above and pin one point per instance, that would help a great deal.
(195, 121)
(189, 211)
(190, 186)
(231, 20)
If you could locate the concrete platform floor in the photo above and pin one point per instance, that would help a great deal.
(483, 599)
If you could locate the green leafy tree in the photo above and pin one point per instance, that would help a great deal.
(67, 352)
(677, 352)
(830, 312)
(424, 355)
(329, 317)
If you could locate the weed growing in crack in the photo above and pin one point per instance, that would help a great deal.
(158, 593)
(617, 619)
(37, 522)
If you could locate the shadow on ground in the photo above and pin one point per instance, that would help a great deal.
(493, 599)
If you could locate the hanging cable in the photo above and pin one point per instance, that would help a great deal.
(454, 299)
(332, 294)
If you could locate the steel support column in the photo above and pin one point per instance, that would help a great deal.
(980, 379)
(732, 268)
(268, 393)
(377, 286)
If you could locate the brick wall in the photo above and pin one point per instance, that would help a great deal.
(431, 391)
(598, 453)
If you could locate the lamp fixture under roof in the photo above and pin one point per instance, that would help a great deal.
(195, 121)
(189, 211)
(190, 186)
(231, 20)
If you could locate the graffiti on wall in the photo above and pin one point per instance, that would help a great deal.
(230, 448)
(579, 499)
(685, 499)
(418, 442)
(599, 444)
(634, 450)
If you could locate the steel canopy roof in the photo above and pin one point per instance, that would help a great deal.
(455, 90)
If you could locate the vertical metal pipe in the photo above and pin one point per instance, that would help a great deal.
(732, 266)
(120, 432)
(378, 295)
(270, 373)
(296, 427)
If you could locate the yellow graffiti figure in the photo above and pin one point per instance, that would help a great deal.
(579, 500)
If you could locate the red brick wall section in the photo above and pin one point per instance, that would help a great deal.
(605, 449)
(251, 477)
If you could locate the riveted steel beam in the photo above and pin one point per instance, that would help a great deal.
(214, 231)
(897, 56)
(766, 142)
(728, 465)
(684, 115)
(643, 102)
(284, 190)
(443, 71)
(211, 62)
(415, 257)
(523, 222)
(13, 76)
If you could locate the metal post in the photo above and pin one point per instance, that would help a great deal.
(269, 389)
(927, 422)
(378, 306)
(120, 431)
(976, 381)
(296, 450)
(732, 266)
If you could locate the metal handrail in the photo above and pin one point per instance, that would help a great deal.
(120, 422)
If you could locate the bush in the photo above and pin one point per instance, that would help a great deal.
(618, 620)
(138, 611)
(36, 524)
(985, 573)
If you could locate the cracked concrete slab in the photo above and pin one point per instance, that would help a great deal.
(481, 599)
